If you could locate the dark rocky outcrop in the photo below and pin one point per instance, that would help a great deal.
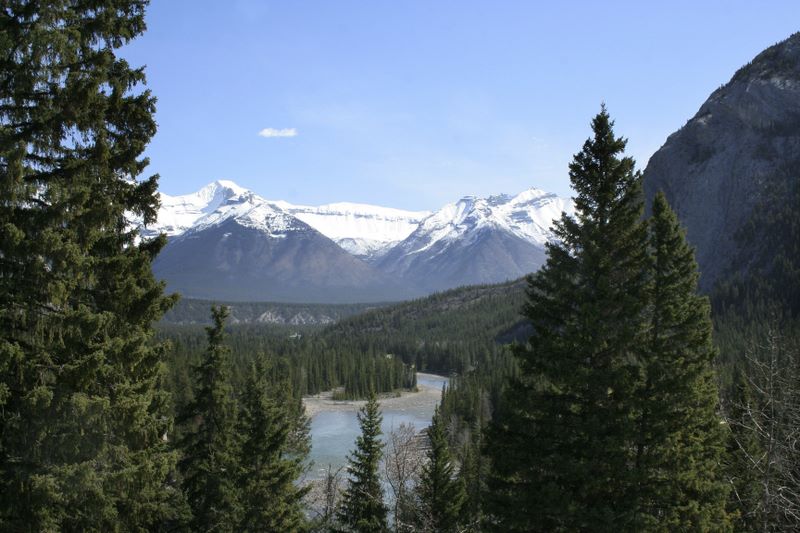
(715, 170)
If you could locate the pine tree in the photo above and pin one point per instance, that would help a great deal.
(561, 449)
(362, 509)
(270, 498)
(83, 426)
(612, 425)
(681, 440)
(473, 473)
(209, 446)
(441, 493)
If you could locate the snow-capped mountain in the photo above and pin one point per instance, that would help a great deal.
(365, 231)
(478, 240)
(179, 213)
(227, 242)
(527, 215)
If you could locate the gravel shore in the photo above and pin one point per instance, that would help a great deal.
(406, 401)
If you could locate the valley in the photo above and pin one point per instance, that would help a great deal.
(454, 295)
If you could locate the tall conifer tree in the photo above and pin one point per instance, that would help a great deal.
(271, 500)
(209, 446)
(612, 425)
(681, 441)
(441, 493)
(362, 509)
(82, 424)
(561, 453)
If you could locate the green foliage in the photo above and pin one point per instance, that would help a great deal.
(209, 446)
(362, 509)
(742, 449)
(452, 331)
(82, 419)
(314, 363)
(268, 470)
(681, 440)
(441, 493)
(617, 332)
(562, 448)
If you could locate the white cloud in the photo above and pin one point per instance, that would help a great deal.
(276, 132)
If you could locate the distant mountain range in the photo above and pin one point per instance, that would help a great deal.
(228, 243)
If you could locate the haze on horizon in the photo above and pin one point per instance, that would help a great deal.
(414, 105)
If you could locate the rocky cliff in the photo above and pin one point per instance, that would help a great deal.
(715, 169)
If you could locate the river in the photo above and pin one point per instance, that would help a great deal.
(334, 426)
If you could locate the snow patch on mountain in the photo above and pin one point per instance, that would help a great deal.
(366, 231)
(179, 213)
(528, 215)
(215, 203)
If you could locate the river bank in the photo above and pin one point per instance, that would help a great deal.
(428, 393)
(334, 425)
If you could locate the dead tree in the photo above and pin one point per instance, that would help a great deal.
(401, 465)
(765, 427)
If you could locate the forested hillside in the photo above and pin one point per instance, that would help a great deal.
(192, 311)
(455, 332)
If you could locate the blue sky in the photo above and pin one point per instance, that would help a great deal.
(413, 104)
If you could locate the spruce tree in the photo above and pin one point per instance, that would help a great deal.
(362, 509)
(612, 425)
(681, 440)
(440, 491)
(562, 447)
(209, 446)
(83, 426)
(270, 498)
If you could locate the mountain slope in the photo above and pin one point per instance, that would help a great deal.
(477, 240)
(232, 261)
(240, 247)
(744, 139)
(226, 242)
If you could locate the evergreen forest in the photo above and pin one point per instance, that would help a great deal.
(603, 392)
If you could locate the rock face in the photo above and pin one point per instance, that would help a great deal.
(715, 169)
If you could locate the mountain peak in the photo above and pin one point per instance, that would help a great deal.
(779, 62)
(227, 233)
(222, 189)
(229, 185)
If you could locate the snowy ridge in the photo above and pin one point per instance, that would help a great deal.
(365, 231)
(179, 213)
(215, 203)
(528, 215)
